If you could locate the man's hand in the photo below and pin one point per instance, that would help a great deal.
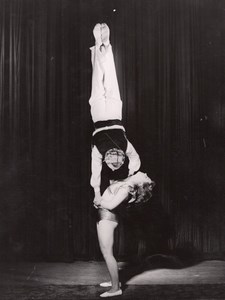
(97, 200)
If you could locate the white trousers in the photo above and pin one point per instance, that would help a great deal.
(105, 98)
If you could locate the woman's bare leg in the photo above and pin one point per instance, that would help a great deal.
(105, 230)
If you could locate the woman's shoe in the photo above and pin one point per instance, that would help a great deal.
(108, 284)
(107, 294)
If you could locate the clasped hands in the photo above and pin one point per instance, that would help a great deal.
(97, 201)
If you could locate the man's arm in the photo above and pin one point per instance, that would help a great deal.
(96, 168)
(134, 159)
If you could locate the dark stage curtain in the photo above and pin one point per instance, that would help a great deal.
(169, 57)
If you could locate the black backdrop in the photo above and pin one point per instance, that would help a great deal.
(170, 61)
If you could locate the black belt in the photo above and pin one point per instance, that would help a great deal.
(101, 124)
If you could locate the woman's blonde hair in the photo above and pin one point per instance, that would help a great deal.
(143, 193)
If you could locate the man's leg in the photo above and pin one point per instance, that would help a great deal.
(105, 96)
(97, 86)
(112, 93)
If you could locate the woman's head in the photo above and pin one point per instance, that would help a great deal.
(144, 192)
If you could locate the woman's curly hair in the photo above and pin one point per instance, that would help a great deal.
(142, 193)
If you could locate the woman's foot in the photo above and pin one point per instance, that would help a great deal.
(107, 284)
(111, 294)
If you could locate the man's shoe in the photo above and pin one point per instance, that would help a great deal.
(105, 33)
(97, 34)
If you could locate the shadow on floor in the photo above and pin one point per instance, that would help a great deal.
(153, 262)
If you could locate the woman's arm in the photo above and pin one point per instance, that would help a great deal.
(117, 199)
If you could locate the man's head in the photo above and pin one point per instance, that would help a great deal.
(114, 158)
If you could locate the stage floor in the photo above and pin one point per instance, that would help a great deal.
(80, 280)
